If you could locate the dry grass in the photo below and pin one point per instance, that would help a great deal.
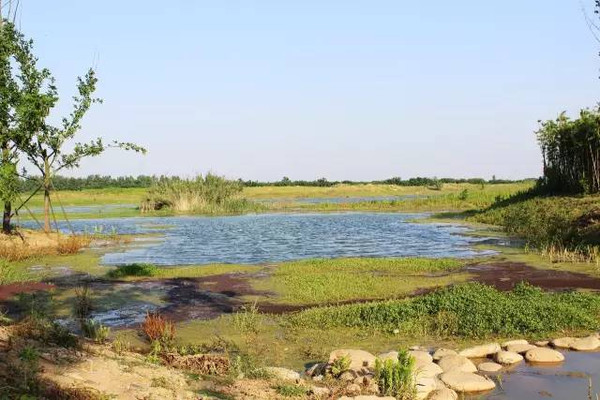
(585, 254)
(158, 328)
(28, 244)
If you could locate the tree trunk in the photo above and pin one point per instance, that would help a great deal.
(46, 196)
(6, 217)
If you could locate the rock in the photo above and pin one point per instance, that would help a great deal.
(513, 342)
(316, 370)
(424, 387)
(319, 391)
(428, 370)
(348, 376)
(544, 355)
(443, 394)
(390, 355)
(363, 380)
(421, 357)
(586, 344)
(318, 378)
(489, 367)
(520, 348)
(359, 359)
(480, 351)
(457, 363)
(467, 382)
(353, 388)
(563, 343)
(439, 353)
(283, 373)
(367, 398)
(508, 357)
(418, 348)
(542, 343)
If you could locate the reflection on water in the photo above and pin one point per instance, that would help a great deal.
(253, 239)
(338, 200)
(568, 381)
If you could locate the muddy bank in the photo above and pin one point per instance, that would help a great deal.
(505, 275)
(9, 291)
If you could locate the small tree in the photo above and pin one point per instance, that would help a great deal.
(43, 143)
(15, 52)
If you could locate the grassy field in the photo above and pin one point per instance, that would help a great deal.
(452, 197)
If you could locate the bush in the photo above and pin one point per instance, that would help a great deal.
(340, 365)
(478, 311)
(138, 269)
(95, 331)
(395, 377)
(158, 329)
(247, 319)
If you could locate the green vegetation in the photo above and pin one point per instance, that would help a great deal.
(210, 194)
(138, 270)
(571, 153)
(468, 310)
(287, 390)
(335, 280)
(395, 377)
(340, 365)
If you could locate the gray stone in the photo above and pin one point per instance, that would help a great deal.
(457, 363)
(544, 355)
(508, 357)
(586, 344)
(443, 394)
(489, 367)
(563, 343)
(520, 348)
(467, 382)
(359, 359)
(480, 351)
(439, 353)
(283, 373)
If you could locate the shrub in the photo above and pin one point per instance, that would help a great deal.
(340, 365)
(395, 377)
(138, 269)
(72, 244)
(83, 306)
(247, 319)
(95, 331)
(158, 329)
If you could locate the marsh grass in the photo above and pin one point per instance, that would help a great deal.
(210, 194)
(335, 280)
(396, 377)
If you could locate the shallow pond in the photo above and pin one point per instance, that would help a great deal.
(264, 238)
(570, 380)
(338, 200)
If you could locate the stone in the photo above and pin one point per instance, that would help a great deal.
(359, 359)
(441, 352)
(428, 370)
(457, 363)
(348, 376)
(467, 382)
(319, 391)
(418, 348)
(489, 367)
(443, 394)
(421, 357)
(513, 342)
(363, 380)
(424, 387)
(390, 355)
(316, 370)
(586, 344)
(542, 343)
(563, 343)
(283, 373)
(520, 348)
(544, 355)
(480, 351)
(508, 357)
(367, 398)
(353, 388)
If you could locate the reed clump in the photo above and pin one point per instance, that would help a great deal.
(209, 194)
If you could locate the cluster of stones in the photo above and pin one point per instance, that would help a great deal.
(443, 373)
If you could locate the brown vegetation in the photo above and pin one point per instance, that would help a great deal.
(158, 328)
(28, 243)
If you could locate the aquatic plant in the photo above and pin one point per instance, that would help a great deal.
(136, 269)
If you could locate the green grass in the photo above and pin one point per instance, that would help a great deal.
(469, 310)
(142, 271)
(335, 280)
(287, 390)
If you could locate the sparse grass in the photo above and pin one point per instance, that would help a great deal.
(141, 271)
(9, 273)
(335, 280)
(288, 390)
(395, 377)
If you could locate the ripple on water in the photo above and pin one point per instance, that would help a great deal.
(253, 239)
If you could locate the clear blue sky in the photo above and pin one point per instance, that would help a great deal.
(321, 88)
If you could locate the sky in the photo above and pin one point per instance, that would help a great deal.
(342, 89)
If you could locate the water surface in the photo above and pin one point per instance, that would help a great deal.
(264, 238)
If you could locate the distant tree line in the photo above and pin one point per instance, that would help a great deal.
(145, 181)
